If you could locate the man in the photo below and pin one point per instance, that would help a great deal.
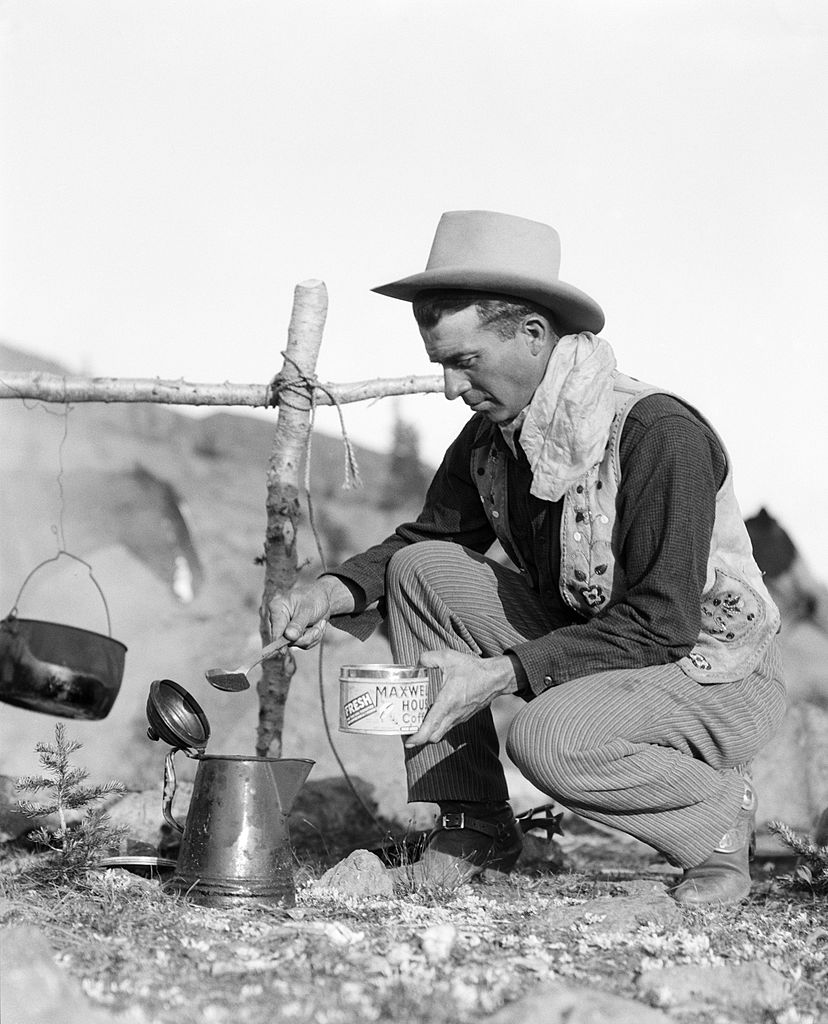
(637, 627)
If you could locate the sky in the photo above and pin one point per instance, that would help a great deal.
(170, 171)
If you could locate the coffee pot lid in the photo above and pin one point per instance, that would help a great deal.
(176, 717)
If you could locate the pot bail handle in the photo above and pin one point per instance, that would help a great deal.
(169, 792)
(13, 613)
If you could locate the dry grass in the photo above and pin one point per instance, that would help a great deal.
(428, 956)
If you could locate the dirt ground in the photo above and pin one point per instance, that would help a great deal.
(597, 924)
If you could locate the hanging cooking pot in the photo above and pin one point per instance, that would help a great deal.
(58, 669)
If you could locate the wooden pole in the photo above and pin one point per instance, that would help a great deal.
(295, 387)
(53, 387)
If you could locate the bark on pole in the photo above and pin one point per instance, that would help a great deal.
(310, 306)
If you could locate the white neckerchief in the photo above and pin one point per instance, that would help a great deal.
(565, 427)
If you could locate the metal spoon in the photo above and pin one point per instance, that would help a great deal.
(237, 680)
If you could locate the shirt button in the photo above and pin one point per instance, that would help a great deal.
(604, 519)
(576, 535)
(547, 680)
(495, 514)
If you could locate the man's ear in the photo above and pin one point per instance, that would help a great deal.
(538, 334)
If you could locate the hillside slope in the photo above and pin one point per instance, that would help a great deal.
(102, 507)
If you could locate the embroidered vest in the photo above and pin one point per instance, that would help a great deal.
(738, 616)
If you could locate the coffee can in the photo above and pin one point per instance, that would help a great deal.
(385, 700)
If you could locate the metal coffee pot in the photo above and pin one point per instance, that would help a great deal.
(235, 845)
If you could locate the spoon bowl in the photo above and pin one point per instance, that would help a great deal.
(235, 680)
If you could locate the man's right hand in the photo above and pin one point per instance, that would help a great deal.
(302, 615)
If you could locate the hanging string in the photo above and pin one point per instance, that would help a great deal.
(58, 529)
(321, 655)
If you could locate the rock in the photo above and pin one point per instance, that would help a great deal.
(328, 816)
(562, 1004)
(618, 913)
(36, 990)
(751, 986)
(791, 771)
(140, 813)
(361, 874)
(541, 854)
(13, 822)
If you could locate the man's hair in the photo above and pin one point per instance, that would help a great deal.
(499, 313)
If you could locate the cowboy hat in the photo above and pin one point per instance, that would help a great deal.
(483, 251)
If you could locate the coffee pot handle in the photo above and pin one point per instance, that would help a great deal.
(169, 792)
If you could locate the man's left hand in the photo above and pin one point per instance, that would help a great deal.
(470, 684)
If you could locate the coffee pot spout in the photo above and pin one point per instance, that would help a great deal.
(289, 774)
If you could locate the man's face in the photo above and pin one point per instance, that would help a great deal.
(493, 376)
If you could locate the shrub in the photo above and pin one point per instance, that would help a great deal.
(74, 845)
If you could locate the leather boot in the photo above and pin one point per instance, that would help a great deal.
(468, 840)
(725, 876)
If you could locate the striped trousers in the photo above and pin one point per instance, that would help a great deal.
(647, 751)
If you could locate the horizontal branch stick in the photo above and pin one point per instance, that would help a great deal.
(52, 387)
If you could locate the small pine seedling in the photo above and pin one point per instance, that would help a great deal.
(74, 845)
(812, 870)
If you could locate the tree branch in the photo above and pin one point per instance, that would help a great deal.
(52, 387)
(310, 307)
